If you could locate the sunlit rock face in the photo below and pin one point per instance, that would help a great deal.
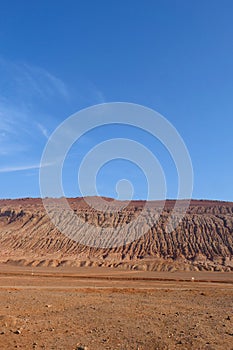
(203, 239)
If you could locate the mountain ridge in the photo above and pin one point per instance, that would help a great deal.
(202, 241)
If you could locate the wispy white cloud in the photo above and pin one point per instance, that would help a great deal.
(14, 129)
(9, 169)
(27, 81)
(89, 94)
(30, 96)
(23, 90)
(43, 83)
(58, 83)
(96, 93)
(99, 96)
(43, 130)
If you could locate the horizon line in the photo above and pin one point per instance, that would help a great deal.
(120, 200)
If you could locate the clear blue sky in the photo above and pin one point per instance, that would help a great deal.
(174, 56)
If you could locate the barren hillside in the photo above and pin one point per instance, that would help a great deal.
(202, 241)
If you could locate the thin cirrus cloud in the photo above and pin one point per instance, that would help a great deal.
(16, 131)
(10, 169)
(25, 92)
(43, 130)
(24, 81)
(97, 94)
(13, 129)
(43, 83)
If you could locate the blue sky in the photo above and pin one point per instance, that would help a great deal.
(173, 56)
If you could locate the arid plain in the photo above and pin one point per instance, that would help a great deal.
(101, 308)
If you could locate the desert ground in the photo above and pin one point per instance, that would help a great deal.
(164, 290)
(104, 308)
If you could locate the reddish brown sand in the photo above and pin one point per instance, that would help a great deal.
(101, 308)
(165, 292)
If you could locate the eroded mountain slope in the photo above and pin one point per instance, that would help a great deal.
(203, 240)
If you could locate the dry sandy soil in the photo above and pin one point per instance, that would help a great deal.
(56, 293)
(102, 308)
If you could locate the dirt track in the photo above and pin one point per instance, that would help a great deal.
(111, 309)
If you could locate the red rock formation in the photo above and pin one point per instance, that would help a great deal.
(202, 241)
